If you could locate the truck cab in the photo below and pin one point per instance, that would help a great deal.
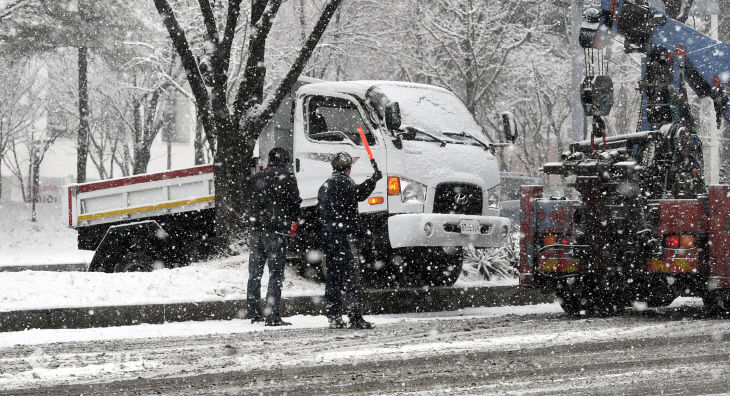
(440, 192)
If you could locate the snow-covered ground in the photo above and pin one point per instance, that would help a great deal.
(49, 241)
(210, 281)
(46, 241)
(499, 349)
(211, 327)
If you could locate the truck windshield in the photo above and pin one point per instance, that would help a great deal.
(433, 110)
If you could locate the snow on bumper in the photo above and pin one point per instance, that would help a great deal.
(428, 229)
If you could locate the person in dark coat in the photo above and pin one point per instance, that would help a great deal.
(274, 211)
(337, 205)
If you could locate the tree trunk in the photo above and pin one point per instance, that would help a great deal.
(231, 175)
(82, 144)
(35, 183)
(141, 159)
(1, 181)
(199, 144)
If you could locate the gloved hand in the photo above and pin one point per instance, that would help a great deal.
(293, 230)
(377, 175)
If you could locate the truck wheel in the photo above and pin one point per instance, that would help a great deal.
(571, 302)
(657, 300)
(135, 262)
(421, 267)
(584, 298)
(717, 302)
(311, 265)
(445, 268)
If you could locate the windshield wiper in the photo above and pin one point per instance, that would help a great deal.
(414, 130)
(464, 134)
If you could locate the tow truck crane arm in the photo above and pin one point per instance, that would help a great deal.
(705, 61)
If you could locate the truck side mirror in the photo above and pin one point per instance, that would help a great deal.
(510, 127)
(392, 116)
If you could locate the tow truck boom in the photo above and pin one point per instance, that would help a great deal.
(705, 62)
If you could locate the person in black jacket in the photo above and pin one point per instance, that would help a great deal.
(337, 205)
(274, 211)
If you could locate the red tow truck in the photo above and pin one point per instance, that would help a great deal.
(643, 226)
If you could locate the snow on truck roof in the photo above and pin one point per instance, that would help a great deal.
(360, 87)
(429, 108)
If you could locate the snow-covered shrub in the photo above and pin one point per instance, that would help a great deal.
(494, 263)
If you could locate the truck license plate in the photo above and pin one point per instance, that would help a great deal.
(470, 227)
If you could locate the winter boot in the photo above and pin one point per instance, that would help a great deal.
(360, 323)
(255, 317)
(337, 323)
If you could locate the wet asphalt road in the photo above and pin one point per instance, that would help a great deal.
(672, 351)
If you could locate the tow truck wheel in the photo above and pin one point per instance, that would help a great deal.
(583, 298)
(660, 299)
(136, 261)
(570, 303)
(717, 302)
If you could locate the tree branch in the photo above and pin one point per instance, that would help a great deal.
(190, 64)
(251, 90)
(224, 48)
(209, 20)
(273, 102)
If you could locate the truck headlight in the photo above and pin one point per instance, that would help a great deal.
(493, 196)
(412, 191)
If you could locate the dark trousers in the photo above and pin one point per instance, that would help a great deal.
(265, 247)
(343, 275)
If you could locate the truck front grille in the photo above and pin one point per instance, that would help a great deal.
(458, 198)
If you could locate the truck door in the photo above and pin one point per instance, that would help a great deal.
(328, 126)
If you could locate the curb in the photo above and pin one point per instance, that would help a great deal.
(375, 302)
(71, 267)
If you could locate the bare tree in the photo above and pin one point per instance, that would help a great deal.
(40, 26)
(468, 42)
(232, 131)
(30, 144)
(16, 113)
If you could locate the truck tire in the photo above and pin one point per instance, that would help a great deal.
(657, 300)
(419, 267)
(570, 298)
(717, 302)
(310, 265)
(570, 303)
(585, 298)
(445, 268)
(135, 261)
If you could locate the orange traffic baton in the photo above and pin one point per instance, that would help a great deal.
(367, 146)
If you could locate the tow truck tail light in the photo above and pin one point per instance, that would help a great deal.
(679, 241)
(672, 241)
(552, 239)
(686, 241)
(393, 186)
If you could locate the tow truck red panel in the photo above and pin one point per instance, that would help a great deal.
(719, 237)
(528, 194)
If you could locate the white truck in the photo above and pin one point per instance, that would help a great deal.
(439, 195)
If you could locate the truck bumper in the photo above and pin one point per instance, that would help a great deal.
(429, 229)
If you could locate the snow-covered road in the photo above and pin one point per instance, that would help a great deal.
(483, 350)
